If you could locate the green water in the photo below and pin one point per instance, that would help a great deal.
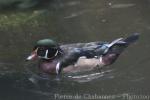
(69, 21)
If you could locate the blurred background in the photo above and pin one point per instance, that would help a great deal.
(23, 22)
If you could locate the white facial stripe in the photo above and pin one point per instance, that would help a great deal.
(36, 50)
(46, 54)
(56, 53)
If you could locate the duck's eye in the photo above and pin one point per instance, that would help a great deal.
(41, 51)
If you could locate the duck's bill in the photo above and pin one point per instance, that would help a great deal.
(31, 57)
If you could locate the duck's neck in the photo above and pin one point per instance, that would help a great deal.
(46, 60)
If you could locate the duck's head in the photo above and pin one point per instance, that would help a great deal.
(44, 49)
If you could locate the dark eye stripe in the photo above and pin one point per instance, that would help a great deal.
(51, 52)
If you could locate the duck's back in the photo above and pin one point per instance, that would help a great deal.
(84, 46)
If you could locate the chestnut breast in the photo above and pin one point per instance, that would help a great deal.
(48, 66)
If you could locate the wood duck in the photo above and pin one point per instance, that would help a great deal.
(78, 57)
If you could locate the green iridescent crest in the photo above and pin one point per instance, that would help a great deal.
(47, 42)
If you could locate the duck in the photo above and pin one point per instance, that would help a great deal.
(55, 58)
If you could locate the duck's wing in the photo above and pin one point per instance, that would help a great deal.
(72, 52)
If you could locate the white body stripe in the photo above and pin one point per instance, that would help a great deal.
(57, 67)
(100, 59)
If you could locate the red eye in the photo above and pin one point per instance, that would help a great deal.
(41, 51)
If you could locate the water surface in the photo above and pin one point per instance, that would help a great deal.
(70, 21)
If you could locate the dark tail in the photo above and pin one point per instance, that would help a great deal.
(114, 51)
(122, 44)
(133, 38)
